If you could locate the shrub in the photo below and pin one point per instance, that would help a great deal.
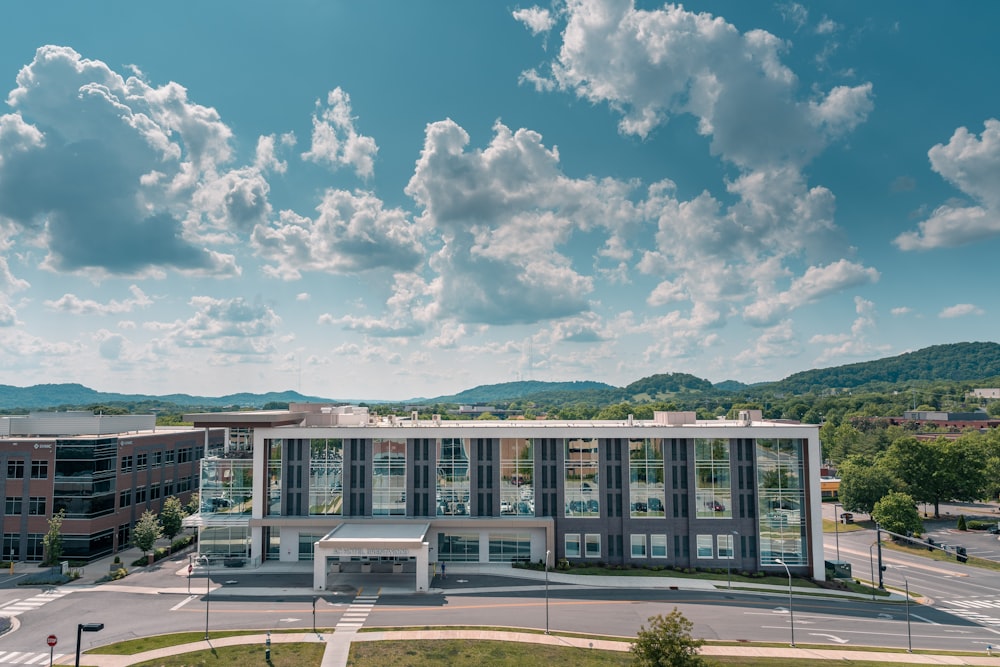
(961, 522)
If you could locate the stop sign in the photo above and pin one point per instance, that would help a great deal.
(51, 640)
(190, 568)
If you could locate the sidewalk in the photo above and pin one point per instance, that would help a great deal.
(334, 658)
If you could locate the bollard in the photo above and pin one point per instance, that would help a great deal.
(989, 649)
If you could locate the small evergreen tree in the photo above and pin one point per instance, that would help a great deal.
(52, 542)
(147, 530)
(961, 522)
(667, 643)
(171, 517)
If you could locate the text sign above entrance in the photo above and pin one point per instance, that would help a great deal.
(366, 551)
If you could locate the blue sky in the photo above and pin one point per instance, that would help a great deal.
(386, 200)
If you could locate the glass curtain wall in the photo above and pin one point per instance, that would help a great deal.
(580, 478)
(517, 477)
(712, 479)
(388, 477)
(781, 498)
(84, 484)
(646, 489)
(226, 486)
(452, 477)
(326, 476)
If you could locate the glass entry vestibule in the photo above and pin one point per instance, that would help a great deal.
(371, 548)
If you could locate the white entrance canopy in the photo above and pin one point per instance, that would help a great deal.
(373, 539)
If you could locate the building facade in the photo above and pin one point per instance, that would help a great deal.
(103, 470)
(344, 489)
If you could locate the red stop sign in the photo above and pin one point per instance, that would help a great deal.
(190, 568)
(51, 640)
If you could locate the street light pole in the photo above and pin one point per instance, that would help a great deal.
(547, 552)
(208, 591)
(80, 629)
(909, 637)
(732, 555)
(791, 610)
(836, 527)
(871, 562)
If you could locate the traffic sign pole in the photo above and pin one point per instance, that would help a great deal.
(51, 640)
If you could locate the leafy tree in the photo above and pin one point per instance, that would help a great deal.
(146, 531)
(897, 513)
(194, 504)
(667, 643)
(52, 542)
(862, 484)
(939, 470)
(171, 517)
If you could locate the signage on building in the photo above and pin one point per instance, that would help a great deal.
(369, 552)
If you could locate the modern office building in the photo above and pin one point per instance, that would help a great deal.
(346, 490)
(103, 470)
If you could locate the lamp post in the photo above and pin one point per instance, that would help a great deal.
(80, 629)
(836, 527)
(547, 552)
(732, 555)
(871, 562)
(208, 590)
(791, 610)
(909, 637)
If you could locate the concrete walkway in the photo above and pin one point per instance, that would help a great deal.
(338, 645)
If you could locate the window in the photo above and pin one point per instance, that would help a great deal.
(658, 546)
(157, 459)
(517, 477)
(140, 495)
(36, 506)
(12, 506)
(510, 547)
(39, 470)
(141, 461)
(638, 543)
(572, 545)
(646, 478)
(780, 498)
(125, 498)
(168, 457)
(127, 463)
(593, 545)
(580, 477)
(712, 480)
(154, 491)
(458, 547)
(725, 545)
(326, 476)
(453, 482)
(705, 549)
(15, 469)
(389, 477)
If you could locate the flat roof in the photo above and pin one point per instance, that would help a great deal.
(377, 531)
(256, 418)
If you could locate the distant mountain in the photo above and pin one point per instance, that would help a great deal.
(509, 391)
(47, 396)
(957, 362)
(664, 384)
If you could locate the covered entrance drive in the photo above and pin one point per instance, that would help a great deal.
(373, 546)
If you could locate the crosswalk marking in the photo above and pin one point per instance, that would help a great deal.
(15, 607)
(22, 658)
(357, 612)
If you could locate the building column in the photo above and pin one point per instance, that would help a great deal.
(423, 566)
(319, 569)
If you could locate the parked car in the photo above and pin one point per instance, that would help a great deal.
(640, 507)
(655, 505)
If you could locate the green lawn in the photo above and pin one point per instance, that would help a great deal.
(282, 655)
